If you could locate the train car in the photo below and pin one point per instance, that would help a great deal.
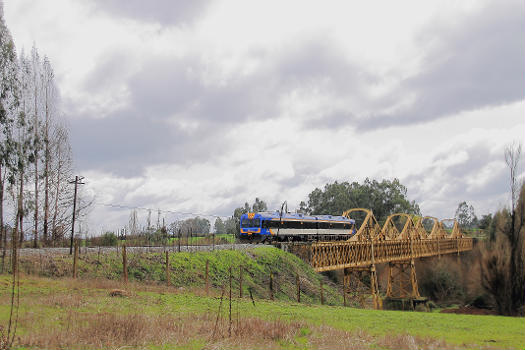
(274, 226)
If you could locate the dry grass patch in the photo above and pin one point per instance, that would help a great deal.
(107, 330)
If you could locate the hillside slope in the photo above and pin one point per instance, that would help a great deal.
(187, 270)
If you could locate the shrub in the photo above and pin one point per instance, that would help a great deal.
(108, 239)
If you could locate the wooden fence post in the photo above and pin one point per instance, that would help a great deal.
(75, 260)
(207, 276)
(271, 286)
(240, 281)
(167, 268)
(344, 288)
(180, 237)
(298, 284)
(230, 313)
(321, 289)
(124, 264)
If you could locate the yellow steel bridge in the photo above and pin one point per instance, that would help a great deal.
(373, 244)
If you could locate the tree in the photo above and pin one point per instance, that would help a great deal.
(485, 221)
(465, 215)
(25, 144)
(133, 222)
(49, 96)
(9, 103)
(512, 158)
(232, 226)
(219, 226)
(35, 68)
(108, 239)
(503, 265)
(259, 206)
(383, 198)
(196, 225)
(60, 171)
(31, 134)
(200, 225)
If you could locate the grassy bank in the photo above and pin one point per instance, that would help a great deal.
(187, 270)
(67, 313)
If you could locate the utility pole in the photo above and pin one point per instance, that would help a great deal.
(77, 182)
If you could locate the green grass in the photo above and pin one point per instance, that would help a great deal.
(46, 301)
(50, 301)
(187, 270)
(199, 240)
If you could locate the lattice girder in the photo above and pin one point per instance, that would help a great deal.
(369, 229)
(456, 232)
(325, 256)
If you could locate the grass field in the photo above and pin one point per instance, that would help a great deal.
(59, 312)
(81, 314)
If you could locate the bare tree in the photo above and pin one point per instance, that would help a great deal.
(35, 65)
(61, 165)
(133, 222)
(49, 96)
(512, 158)
(503, 265)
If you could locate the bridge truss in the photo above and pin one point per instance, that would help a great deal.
(373, 244)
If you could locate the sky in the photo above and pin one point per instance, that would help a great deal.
(197, 106)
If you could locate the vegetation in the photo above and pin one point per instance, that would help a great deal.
(504, 261)
(35, 153)
(188, 271)
(465, 216)
(384, 198)
(81, 314)
(195, 225)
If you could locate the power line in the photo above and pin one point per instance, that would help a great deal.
(121, 206)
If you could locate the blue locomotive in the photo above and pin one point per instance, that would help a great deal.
(277, 226)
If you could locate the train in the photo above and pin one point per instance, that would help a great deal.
(267, 227)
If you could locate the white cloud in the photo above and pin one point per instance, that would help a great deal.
(269, 99)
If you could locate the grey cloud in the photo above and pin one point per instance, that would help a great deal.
(122, 143)
(108, 70)
(478, 63)
(318, 60)
(126, 142)
(166, 86)
(451, 182)
(165, 12)
(168, 91)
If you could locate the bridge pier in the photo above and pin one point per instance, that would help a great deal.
(402, 290)
(359, 283)
(402, 280)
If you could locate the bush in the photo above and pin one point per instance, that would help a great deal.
(108, 239)
(503, 264)
(442, 282)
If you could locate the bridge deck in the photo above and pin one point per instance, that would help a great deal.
(325, 256)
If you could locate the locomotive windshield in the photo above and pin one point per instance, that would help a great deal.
(251, 223)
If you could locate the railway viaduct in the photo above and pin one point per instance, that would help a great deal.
(373, 244)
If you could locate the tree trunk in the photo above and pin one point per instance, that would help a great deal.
(54, 222)
(46, 170)
(20, 210)
(3, 234)
(36, 169)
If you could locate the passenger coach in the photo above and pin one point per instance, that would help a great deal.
(272, 226)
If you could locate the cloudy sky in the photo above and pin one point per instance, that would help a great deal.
(199, 105)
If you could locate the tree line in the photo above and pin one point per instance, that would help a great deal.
(35, 152)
